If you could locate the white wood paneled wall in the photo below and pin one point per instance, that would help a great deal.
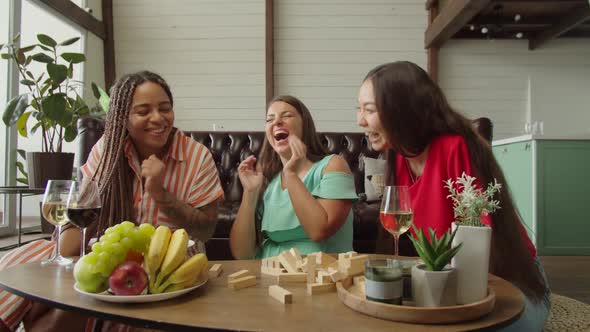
(492, 78)
(211, 52)
(324, 49)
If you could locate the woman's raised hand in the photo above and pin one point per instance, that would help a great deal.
(298, 154)
(250, 177)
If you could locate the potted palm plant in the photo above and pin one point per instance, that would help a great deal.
(434, 282)
(472, 264)
(51, 101)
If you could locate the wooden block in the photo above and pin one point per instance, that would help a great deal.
(335, 274)
(324, 260)
(215, 271)
(295, 253)
(310, 267)
(353, 270)
(288, 261)
(243, 282)
(284, 278)
(313, 289)
(280, 294)
(323, 278)
(302, 265)
(237, 275)
(358, 279)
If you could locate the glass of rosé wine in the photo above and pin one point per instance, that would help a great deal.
(396, 213)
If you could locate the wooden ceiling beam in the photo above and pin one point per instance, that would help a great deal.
(451, 19)
(570, 21)
(77, 15)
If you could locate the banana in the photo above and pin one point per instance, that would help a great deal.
(187, 274)
(156, 253)
(182, 285)
(175, 255)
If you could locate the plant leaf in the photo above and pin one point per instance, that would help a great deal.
(58, 73)
(444, 259)
(71, 133)
(95, 91)
(69, 41)
(15, 108)
(21, 124)
(16, 38)
(28, 48)
(22, 153)
(54, 107)
(71, 70)
(73, 57)
(42, 57)
(442, 244)
(48, 49)
(35, 127)
(24, 181)
(27, 82)
(6, 56)
(28, 61)
(20, 57)
(104, 99)
(21, 168)
(46, 40)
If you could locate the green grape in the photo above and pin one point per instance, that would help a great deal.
(107, 247)
(147, 229)
(117, 249)
(90, 258)
(127, 242)
(127, 225)
(97, 247)
(111, 238)
(101, 239)
(110, 230)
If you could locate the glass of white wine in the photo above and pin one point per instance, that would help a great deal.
(54, 211)
(396, 213)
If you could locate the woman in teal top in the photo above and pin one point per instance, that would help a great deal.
(296, 195)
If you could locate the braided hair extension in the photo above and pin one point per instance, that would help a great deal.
(114, 175)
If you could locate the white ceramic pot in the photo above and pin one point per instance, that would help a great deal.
(434, 288)
(472, 262)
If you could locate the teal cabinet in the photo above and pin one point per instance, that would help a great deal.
(550, 184)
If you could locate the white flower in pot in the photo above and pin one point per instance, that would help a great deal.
(470, 203)
(434, 282)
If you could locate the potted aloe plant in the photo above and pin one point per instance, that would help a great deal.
(472, 263)
(434, 282)
(51, 101)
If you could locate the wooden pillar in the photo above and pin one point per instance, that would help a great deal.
(109, 44)
(433, 51)
(269, 49)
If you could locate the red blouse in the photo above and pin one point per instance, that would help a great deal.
(447, 158)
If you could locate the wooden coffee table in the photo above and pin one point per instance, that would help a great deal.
(215, 306)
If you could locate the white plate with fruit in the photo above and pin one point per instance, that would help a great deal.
(139, 264)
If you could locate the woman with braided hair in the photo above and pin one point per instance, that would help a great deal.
(147, 170)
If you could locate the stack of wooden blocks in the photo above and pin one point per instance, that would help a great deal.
(319, 270)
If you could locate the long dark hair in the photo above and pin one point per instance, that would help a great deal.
(413, 111)
(115, 177)
(269, 161)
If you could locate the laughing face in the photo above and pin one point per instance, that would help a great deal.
(150, 119)
(282, 121)
(368, 118)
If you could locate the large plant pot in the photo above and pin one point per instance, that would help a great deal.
(472, 262)
(434, 288)
(44, 166)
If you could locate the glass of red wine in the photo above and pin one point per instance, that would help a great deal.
(83, 207)
(396, 212)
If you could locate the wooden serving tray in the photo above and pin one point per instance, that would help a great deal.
(354, 297)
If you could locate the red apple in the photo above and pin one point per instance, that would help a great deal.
(129, 278)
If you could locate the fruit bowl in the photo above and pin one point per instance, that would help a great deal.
(109, 297)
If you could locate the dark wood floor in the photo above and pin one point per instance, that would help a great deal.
(569, 276)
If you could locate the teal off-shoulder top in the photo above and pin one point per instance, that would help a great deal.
(281, 227)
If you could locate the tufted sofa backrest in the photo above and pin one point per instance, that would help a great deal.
(230, 148)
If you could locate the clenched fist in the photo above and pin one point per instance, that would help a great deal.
(152, 169)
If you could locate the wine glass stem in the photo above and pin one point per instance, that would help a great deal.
(57, 250)
(396, 244)
(83, 248)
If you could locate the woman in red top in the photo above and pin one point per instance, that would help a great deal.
(406, 115)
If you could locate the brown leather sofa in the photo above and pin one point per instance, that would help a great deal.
(229, 148)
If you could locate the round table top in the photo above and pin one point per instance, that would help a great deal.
(218, 307)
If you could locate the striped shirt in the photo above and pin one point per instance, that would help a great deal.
(190, 175)
(13, 308)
